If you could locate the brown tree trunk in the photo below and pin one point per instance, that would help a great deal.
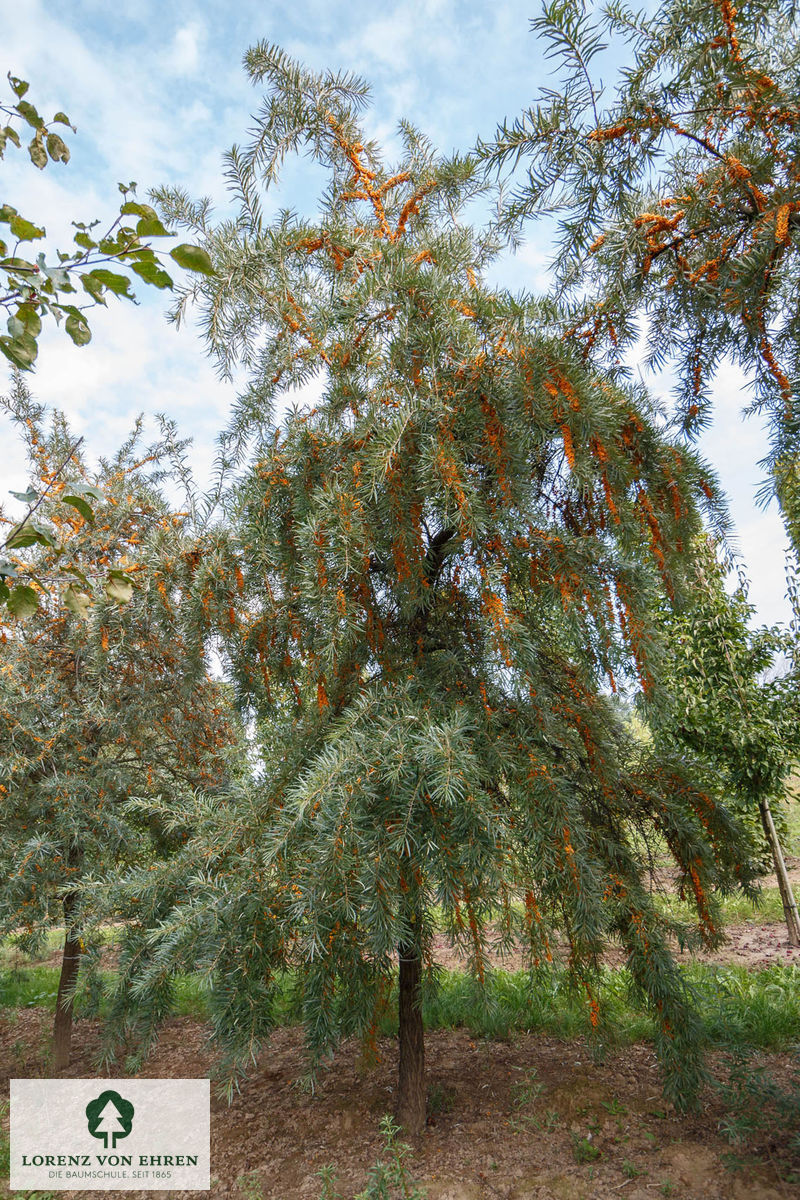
(411, 1093)
(790, 912)
(70, 964)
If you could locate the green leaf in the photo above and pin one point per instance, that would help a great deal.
(28, 318)
(119, 587)
(29, 534)
(151, 272)
(57, 148)
(29, 497)
(63, 119)
(7, 569)
(151, 227)
(85, 242)
(193, 258)
(25, 231)
(58, 275)
(23, 601)
(113, 246)
(73, 570)
(37, 152)
(21, 351)
(118, 284)
(78, 330)
(132, 208)
(83, 508)
(83, 489)
(94, 287)
(18, 264)
(26, 110)
(18, 86)
(77, 602)
(4, 592)
(12, 134)
(6, 213)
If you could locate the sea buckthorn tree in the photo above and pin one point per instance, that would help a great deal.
(447, 562)
(677, 196)
(102, 697)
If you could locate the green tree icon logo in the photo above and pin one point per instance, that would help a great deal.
(109, 1117)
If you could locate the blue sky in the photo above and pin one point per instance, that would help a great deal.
(158, 94)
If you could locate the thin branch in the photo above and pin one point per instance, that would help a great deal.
(33, 507)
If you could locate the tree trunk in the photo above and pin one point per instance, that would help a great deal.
(411, 1094)
(787, 897)
(70, 964)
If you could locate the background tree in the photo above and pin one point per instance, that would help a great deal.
(678, 200)
(103, 697)
(32, 290)
(726, 701)
(443, 562)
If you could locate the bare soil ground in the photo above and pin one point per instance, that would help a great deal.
(511, 1121)
(747, 945)
(751, 944)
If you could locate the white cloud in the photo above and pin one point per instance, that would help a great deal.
(304, 396)
(763, 545)
(184, 57)
(124, 97)
(387, 40)
(195, 112)
(530, 265)
(135, 363)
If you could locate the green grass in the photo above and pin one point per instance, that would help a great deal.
(515, 1002)
(734, 910)
(37, 987)
(10, 956)
(53, 941)
(757, 1008)
(28, 987)
(190, 997)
